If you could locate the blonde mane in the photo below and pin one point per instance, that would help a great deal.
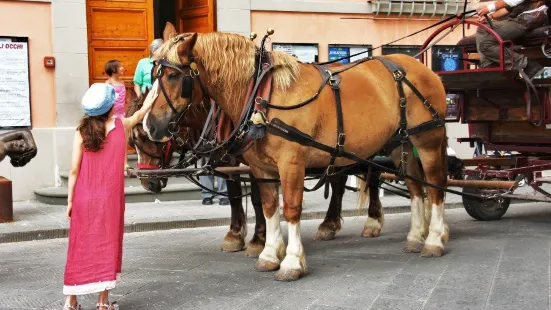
(229, 60)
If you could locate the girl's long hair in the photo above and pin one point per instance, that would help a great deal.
(92, 130)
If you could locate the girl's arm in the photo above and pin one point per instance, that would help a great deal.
(75, 170)
(138, 116)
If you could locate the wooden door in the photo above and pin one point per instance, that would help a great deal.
(196, 15)
(118, 29)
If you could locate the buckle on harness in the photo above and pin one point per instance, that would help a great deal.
(340, 140)
(427, 104)
(330, 170)
(398, 75)
(403, 102)
(180, 141)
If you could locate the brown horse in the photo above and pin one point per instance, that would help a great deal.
(225, 63)
(152, 154)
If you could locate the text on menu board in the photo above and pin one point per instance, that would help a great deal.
(15, 109)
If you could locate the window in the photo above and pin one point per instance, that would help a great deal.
(410, 50)
(302, 51)
(337, 51)
(446, 58)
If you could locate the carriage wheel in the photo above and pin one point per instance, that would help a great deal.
(489, 210)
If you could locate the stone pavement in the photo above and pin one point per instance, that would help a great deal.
(37, 221)
(487, 265)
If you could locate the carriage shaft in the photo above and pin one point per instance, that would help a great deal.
(464, 183)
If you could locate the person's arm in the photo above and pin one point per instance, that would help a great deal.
(138, 90)
(138, 116)
(496, 6)
(75, 170)
(498, 14)
(138, 79)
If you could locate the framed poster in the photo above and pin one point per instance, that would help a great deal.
(410, 50)
(304, 52)
(446, 58)
(15, 92)
(337, 51)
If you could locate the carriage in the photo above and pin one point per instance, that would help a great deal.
(509, 120)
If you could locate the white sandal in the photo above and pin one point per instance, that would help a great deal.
(68, 305)
(110, 306)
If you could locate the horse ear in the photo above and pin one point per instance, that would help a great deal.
(189, 43)
(169, 32)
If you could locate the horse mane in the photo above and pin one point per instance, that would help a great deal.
(229, 60)
(135, 104)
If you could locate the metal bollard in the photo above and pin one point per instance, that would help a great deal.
(6, 201)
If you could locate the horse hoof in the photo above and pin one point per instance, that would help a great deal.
(413, 247)
(325, 235)
(265, 266)
(232, 246)
(432, 251)
(288, 275)
(370, 232)
(254, 250)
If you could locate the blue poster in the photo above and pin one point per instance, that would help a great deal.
(449, 61)
(339, 52)
(446, 58)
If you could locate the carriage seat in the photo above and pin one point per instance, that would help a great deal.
(532, 38)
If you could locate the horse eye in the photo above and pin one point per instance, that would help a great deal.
(173, 76)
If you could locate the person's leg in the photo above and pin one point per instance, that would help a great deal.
(222, 188)
(71, 301)
(103, 301)
(208, 182)
(488, 48)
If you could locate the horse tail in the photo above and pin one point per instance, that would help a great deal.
(363, 193)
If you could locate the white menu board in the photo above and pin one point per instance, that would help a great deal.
(15, 98)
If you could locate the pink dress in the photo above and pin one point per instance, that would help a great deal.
(120, 101)
(94, 257)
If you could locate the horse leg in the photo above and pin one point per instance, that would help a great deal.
(274, 248)
(292, 184)
(332, 222)
(235, 238)
(419, 222)
(433, 158)
(375, 217)
(256, 245)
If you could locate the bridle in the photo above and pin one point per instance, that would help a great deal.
(164, 158)
(188, 84)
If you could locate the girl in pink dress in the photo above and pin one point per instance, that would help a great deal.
(96, 197)
(114, 69)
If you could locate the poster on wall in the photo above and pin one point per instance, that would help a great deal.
(15, 95)
(302, 51)
(446, 58)
(338, 52)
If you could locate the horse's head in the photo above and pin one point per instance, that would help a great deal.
(151, 155)
(176, 73)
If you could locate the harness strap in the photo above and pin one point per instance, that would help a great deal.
(279, 128)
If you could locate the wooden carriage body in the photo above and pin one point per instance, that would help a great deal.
(502, 113)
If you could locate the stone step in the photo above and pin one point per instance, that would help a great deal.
(172, 192)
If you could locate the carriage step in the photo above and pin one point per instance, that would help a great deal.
(172, 192)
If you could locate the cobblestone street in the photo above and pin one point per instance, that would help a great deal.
(488, 265)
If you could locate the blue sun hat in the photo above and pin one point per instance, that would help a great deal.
(98, 99)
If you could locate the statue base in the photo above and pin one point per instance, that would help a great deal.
(6, 201)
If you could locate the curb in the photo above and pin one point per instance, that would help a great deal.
(58, 233)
